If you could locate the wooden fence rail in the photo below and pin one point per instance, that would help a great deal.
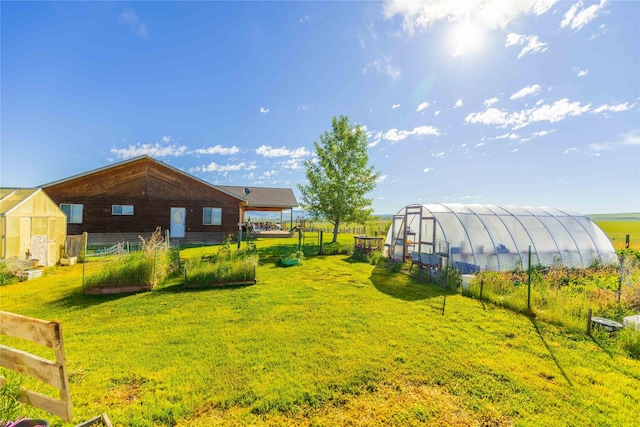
(54, 373)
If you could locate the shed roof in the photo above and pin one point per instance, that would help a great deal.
(263, 198)
(12, 197)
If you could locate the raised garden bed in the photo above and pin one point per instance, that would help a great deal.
(30, 274)
(195, 285)
(109, 290)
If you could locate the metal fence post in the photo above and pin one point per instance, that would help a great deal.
(529, 283)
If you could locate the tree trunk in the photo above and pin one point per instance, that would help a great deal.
(335, 232)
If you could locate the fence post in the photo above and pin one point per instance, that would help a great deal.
(85, 239)
(620, 279)
(589, 323)
(320, 250)
(153, 272)
(529, 283)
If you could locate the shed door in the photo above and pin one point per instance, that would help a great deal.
(178, 220)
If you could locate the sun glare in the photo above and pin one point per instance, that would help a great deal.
(466, 37)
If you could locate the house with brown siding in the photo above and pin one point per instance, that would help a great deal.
(132, 198)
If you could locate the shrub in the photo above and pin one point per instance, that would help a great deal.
(630, 341)
(7, 275)
(337, 249)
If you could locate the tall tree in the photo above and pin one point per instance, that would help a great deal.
(340, 177)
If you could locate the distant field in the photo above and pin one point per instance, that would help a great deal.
(617, 230)
(631, 216)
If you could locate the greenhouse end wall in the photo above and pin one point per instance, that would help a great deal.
(487, 237)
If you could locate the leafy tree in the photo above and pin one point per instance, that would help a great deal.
(340, 177)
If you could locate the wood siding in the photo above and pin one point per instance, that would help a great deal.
(152, 189)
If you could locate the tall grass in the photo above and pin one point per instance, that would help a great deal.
(564, 296)
(148, 267)
(226, 266)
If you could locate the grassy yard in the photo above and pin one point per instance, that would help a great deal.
(330, 342)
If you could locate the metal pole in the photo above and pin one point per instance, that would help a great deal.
(529, 283)
(620, 279)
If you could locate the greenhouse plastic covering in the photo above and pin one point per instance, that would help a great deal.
(486, 237)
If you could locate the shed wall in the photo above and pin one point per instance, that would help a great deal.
(36, 225)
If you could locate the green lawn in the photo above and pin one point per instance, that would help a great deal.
(617, 230)
(330, 342)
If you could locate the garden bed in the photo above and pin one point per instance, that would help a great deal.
(116, 289)
(195, 285)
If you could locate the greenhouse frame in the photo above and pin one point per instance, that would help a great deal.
(486, 237)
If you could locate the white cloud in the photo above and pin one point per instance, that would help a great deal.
(490, 102)
(570, 150)
(395, 106)
(509, 136)
(304, 18)
(264, 110)
(480, 144)
(458, 103)
(437, 113)
(305, 107)
(557, 111)
(576, 17)
(138, 27)
(214, 167)
(395, 135)
(293, 163)
(532, 44)
(440, 154)
(153, 150)
(614, 108)
(268, 151)
(626, 139)
(490, 14)
(383, 66)
(422, 106)
(382, 178)
(583, 73)
(542, 133)
(525, 91)
(217, 149)
(427, 170)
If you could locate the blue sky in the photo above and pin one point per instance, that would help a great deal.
(494, 102)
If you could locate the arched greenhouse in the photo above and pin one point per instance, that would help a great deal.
(486, 237)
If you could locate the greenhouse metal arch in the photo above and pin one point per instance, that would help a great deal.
(488, 237)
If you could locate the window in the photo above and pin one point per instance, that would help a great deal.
(73, 213)
(212, 216)
(122, 210)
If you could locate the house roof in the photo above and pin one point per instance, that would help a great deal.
(133, 160)
(263, 198)
(258, 198)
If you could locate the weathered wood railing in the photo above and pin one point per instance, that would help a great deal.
(54, 373)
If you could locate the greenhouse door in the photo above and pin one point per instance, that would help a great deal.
(397, 237)
(427, 235)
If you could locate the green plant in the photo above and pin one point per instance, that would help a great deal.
(629, 339)
(293, 255)
(7, 276)
(10, 407)
(218, 270)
